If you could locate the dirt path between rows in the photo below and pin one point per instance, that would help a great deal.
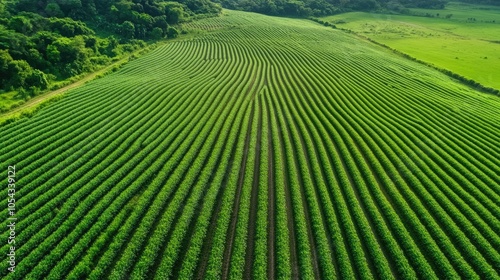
(290, 221)
(306, 205)
(236, 205)
(252, 223)
(271, 273)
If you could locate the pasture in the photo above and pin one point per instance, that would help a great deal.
(261, 148)
(466, 43)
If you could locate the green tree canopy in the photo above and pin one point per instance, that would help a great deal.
(127, 29)
(53, 10)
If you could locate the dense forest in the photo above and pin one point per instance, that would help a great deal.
(42, 41)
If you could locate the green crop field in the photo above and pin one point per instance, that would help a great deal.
(467, 43)
(260, 148)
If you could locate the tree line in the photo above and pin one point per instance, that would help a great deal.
(305, 8)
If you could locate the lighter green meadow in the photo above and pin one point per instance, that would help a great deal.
(467, 42)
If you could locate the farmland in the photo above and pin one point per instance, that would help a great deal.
(465, 43)
(262, 147)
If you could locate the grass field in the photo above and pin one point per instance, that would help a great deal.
(261, 148)
(470, 48)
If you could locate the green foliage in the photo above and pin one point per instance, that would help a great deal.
(112, 12)
(53, 54)
(172, 32)
(157, 33)
(19, 71)
(306, 8)
(53, 10)
(484, 2)
(127, 29)
(5, 60)
(174, 12)
(19, 74)
(429, 4)
(40, 46)
(37, 79)
(20, 24)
